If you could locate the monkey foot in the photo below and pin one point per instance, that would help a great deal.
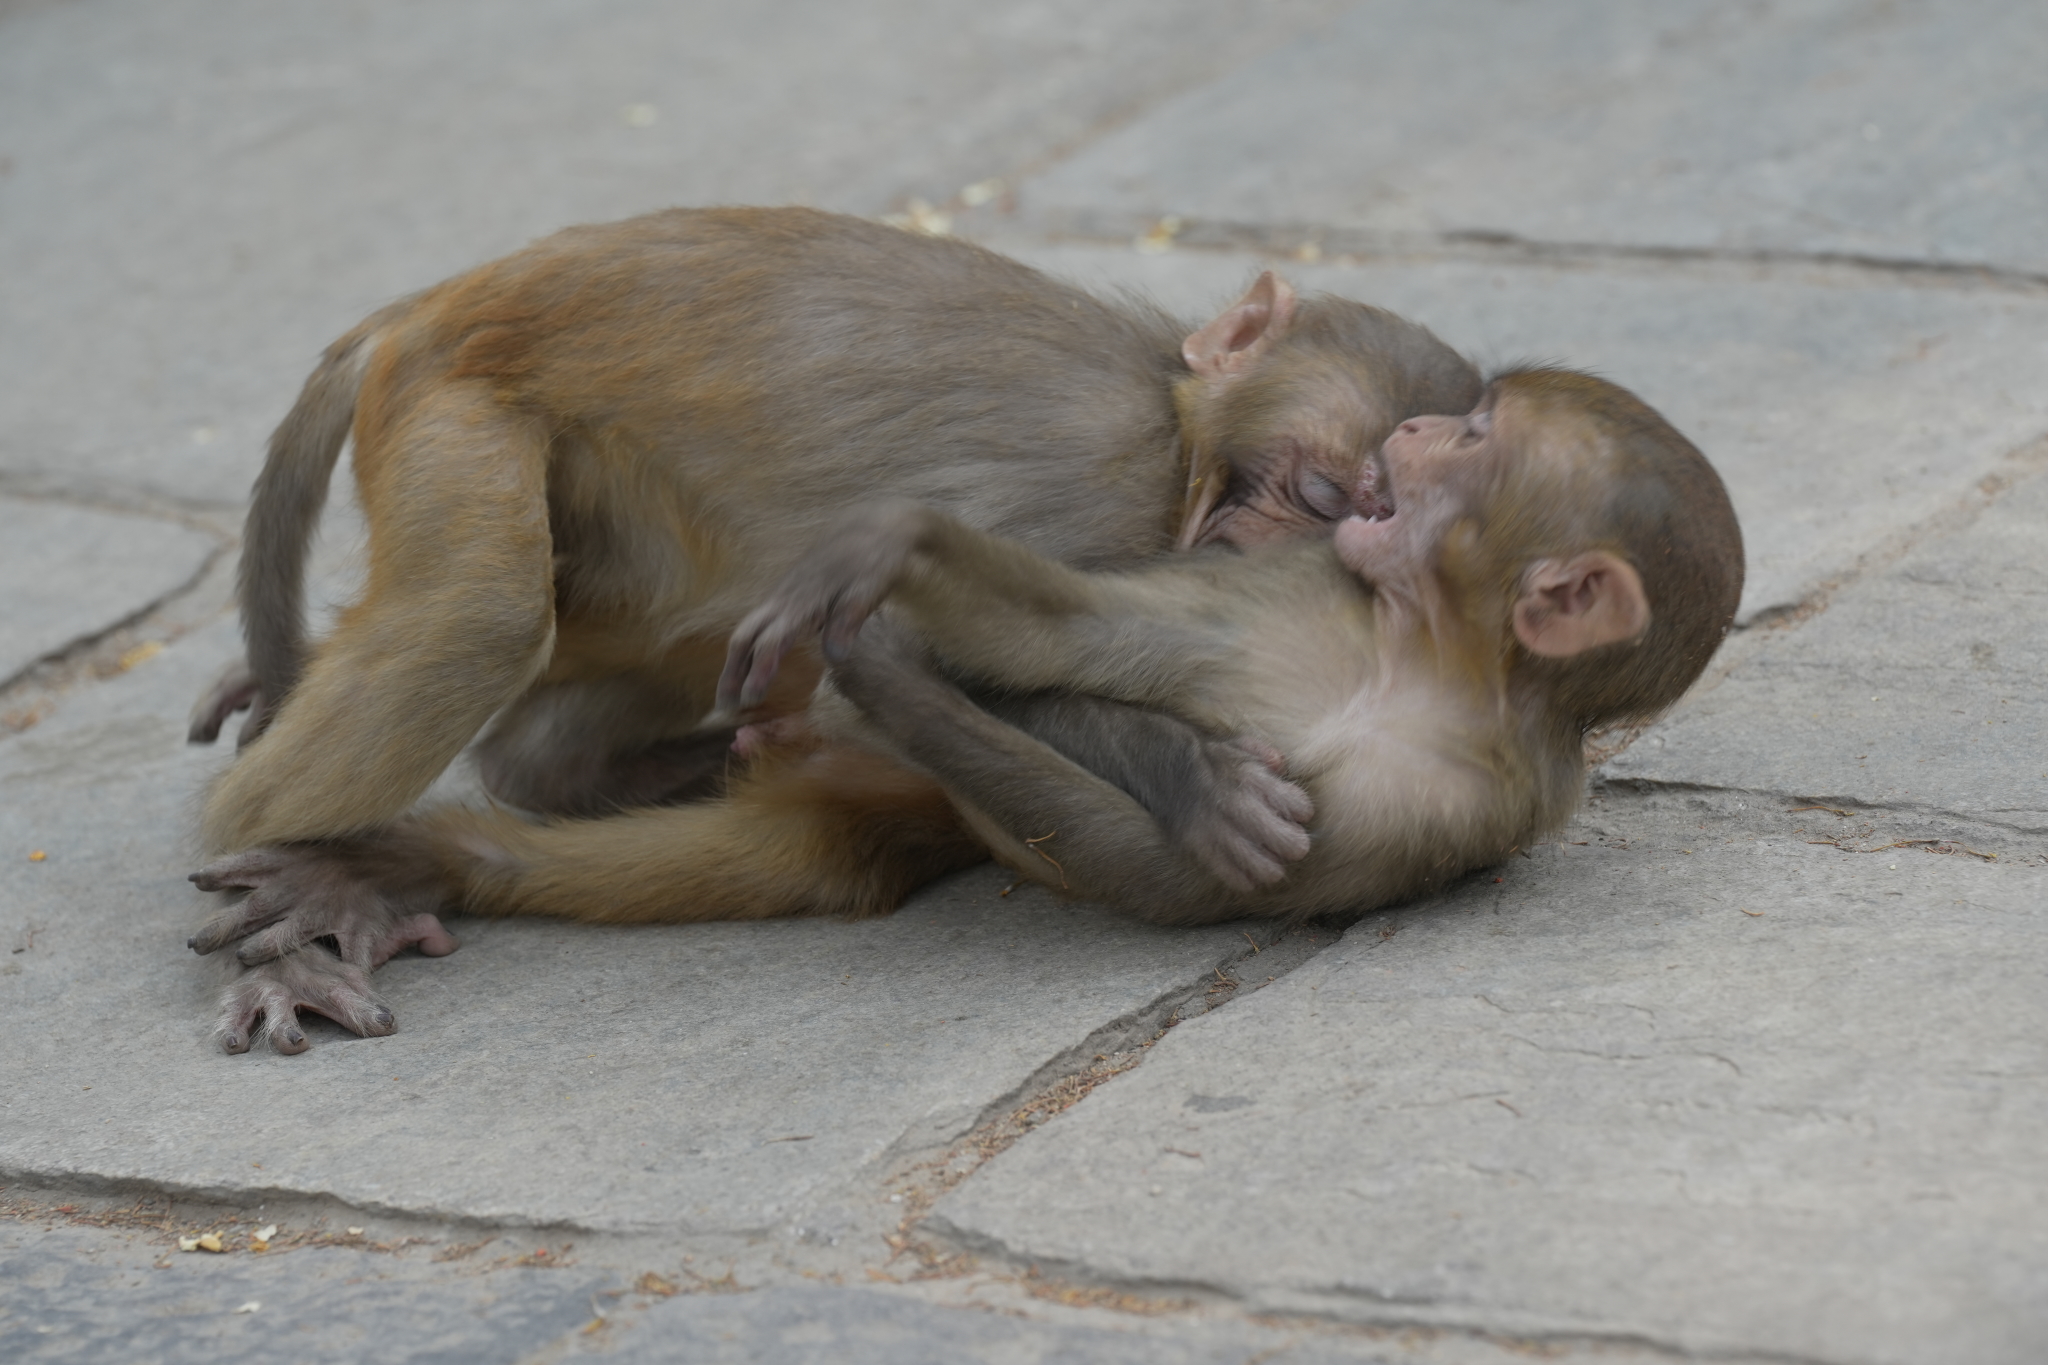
(236, 690)
(750, 742)
(1255, 824)
(299, 893)
(269, 998)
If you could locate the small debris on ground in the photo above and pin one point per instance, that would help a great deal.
(1157, 240)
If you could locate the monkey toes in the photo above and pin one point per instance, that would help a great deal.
(236, 689)
(299, 894)
(269, 998)
(1255, 823)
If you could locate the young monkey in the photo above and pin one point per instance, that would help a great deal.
(1558, 559)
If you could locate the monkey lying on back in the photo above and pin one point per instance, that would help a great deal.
(1558, 559)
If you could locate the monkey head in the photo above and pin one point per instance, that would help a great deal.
(1573, 536)
(1287, 401)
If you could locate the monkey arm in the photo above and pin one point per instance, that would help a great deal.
(1043, 813)
(1224, 800)
(992, 608)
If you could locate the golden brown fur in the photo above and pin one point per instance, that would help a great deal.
(581, 464)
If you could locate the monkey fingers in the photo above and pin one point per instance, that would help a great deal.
(269, 997)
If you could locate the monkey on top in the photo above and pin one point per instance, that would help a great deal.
(1557, 559)
(581, 466)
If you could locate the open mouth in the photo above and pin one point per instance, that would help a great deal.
(1374, 496)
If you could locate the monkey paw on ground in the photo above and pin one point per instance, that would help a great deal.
(302, 892)
(299, 894)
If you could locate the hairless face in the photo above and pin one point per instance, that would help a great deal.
(1524, 483)
(1429, 471)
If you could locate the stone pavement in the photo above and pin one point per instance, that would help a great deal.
(1750, 1064)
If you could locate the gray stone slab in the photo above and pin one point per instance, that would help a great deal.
(722, 1077)
(830, 1326)
(1841, 411)
(72, 572)
(1920, 688)
(200, 194)
(1899, 130)
(1711, 1088)
(79, 1298)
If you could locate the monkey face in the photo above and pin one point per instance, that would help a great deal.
(1431, 473)
(1291, 489)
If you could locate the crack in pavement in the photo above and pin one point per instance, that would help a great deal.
(1840, 806)
(200, 514)
(1335, 1306)
(85, 655)
(1312, 242)
(1062, 1082)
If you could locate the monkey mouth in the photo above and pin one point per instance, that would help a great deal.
(1373, 498)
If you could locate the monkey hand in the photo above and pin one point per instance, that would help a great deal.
(832, 590)
(1243, 821)
(302, 892)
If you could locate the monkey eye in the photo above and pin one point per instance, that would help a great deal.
(1478, 426)
(1322, 496)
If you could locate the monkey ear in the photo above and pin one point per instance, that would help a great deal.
(1572, 605)
(1242, 333)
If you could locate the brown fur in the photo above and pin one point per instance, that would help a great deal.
(635, 428)
(582, 463)
(1391, 667)
(795, 830)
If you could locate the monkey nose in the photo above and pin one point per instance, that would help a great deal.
(1374, 495)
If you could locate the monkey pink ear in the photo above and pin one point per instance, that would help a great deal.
(1242, 333)
(1572, 605)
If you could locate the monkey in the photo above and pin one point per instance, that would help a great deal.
(1559, 559)
(581, 464)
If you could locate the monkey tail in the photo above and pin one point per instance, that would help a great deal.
(288, 498)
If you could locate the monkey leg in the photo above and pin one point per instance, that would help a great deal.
(835, 831)
(456, 621)
(1224, 800)
(587, 747)
(829, 831)
(1088, 838)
